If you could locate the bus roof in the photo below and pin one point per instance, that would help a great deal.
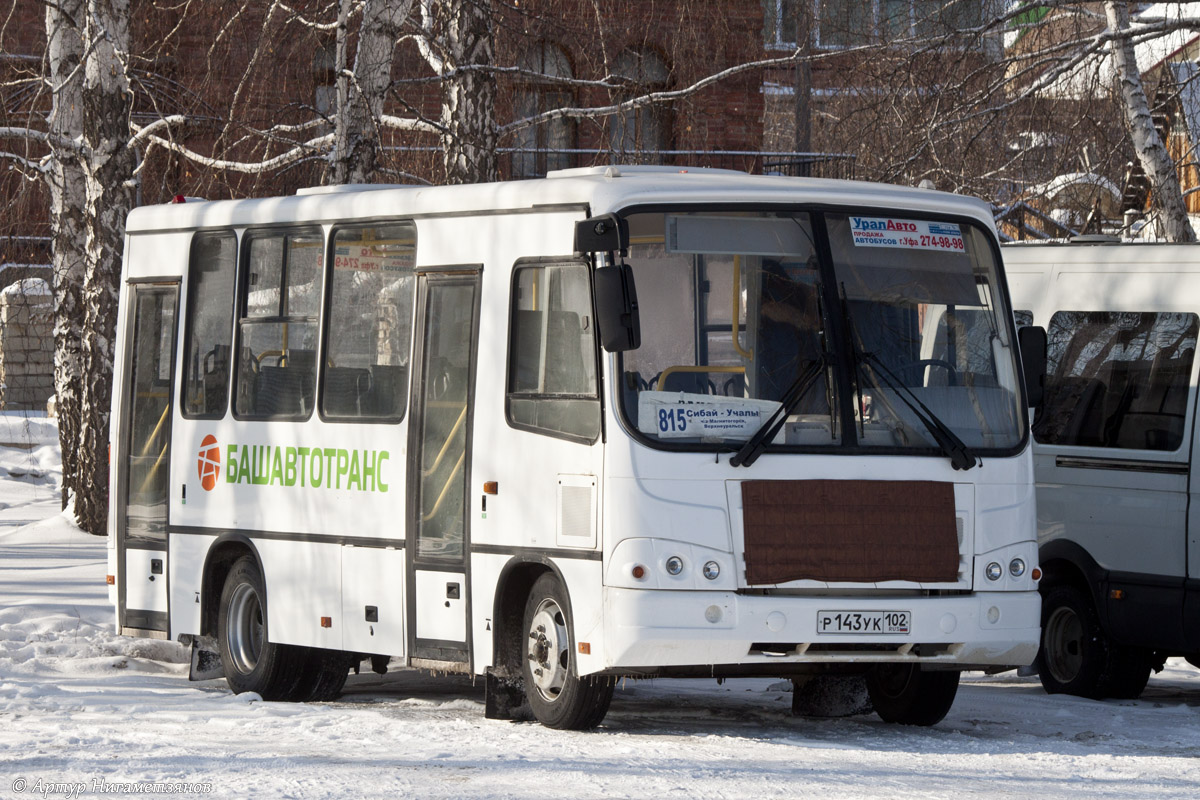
(599, 189)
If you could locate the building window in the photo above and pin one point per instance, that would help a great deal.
(853, 23)
(540, 147)
(646, 130)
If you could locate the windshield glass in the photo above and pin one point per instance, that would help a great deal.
(740, 311)
(924, 320)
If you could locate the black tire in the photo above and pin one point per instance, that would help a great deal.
(322, 676)
(251, 661)
(1078, 658)
(558, 697)
(908, 695)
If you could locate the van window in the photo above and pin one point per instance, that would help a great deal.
(369, 332)
(1117, 379)
(211, 274)
(552, 353)
(277, 332)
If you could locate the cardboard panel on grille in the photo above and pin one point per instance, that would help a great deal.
(861, 531)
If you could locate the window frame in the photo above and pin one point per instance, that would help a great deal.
(542, 262)
(249, 235)
(187, 324)
(327, 327)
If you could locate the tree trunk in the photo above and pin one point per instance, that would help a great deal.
(110, 164)
(360, 101)
(66, 188)
(1156, 161)
(468, 97)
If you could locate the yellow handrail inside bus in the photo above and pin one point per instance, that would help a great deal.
(737, 311)
(150, 439)
(445, 488)
(446, 447)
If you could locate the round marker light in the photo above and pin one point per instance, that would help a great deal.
(674, 565)
(712, 570)
(1016, 568)
(638, 571)
(993, 571)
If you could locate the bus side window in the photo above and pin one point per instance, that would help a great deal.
(1117, 379)
(277, 332)
(369, 335)
(211, 273)
(552, 353)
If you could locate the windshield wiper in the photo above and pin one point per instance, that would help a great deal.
(757, 443)
(960, 454)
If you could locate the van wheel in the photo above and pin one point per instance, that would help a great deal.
(1077, 657)
(558, 696)
(909, 695)
(252, 662)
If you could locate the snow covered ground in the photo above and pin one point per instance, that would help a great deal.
(83, 711)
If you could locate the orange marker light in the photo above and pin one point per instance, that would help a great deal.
(1036, 574)
(1117, 594)
(326, 622)
(111, 580)
(491, 487)
(638, 571)
(585, 648)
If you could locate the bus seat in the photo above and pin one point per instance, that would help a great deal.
(690, 382)
(346, 389)
(389, 390)
(283, 391)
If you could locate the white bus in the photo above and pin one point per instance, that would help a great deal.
(1114, 440)
(624, 421)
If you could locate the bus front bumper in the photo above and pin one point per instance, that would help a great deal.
(647, 629)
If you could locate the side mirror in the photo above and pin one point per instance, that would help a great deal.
(1031, 341)
(617, 309)
(604, 234)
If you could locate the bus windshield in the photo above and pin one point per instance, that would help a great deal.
(861, 331)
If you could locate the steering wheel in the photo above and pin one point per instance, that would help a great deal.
(952, 373)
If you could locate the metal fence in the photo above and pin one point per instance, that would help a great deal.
(519, 163)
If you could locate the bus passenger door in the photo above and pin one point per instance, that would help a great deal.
(440, 465)
(145, 441)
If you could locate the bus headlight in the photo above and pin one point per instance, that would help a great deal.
(674, 565)
(993, 571)
(712, 570)
(1016, 567)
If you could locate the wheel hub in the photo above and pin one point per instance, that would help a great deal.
(1064, 645)
(547, 649)
(244, 635)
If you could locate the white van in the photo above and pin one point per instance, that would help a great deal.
(1114, 438)
(620, 421)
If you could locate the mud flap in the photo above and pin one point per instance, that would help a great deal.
(206, 660)
(504, 698)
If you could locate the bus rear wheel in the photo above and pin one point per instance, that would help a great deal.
(908, 695)
(252, 662)
(558, 696)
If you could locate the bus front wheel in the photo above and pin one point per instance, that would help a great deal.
(558, 696)
(908, 695)
(252, 663)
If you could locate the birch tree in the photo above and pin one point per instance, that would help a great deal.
(1158, 165)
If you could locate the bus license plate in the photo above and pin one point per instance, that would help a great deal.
(866, 622)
